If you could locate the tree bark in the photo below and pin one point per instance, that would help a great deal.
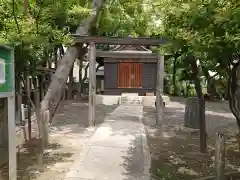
(85, 77)
(55, 56)
(70, 85)
(234, 95)
(211, 88)
(192, 113)
(234, 92)
(25, 7)
(28, 92)
(207, 75)
(61, 50)
(174, 76)
(80, 77)
(198, 88)
(60, 77)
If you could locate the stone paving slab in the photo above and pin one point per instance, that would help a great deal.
(117, 134)
(118, 149)
(102, 163)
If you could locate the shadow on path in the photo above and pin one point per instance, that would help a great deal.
(67, 135)
(27, 160)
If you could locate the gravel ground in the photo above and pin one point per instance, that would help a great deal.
(175, 150)
(68, 134)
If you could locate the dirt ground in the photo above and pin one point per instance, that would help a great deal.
(175, 150)
(68, 134)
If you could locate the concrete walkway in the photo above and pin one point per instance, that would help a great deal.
(118, 149)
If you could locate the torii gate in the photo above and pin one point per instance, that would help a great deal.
(93, 53)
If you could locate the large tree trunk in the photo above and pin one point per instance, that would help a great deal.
(198, 87)
(234, 94)
(64, 66)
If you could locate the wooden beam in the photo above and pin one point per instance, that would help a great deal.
(144, 41)
(92, 84)
(139, 60)
(130, 55)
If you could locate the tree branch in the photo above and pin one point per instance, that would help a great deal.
(15, 17)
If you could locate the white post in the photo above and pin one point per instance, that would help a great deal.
(92, 83)
(12, 139)
(159, 90)
(12, 142)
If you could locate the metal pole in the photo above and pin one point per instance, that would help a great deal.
(159, 90)
(92, 83)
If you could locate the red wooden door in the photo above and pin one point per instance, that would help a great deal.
(129, 75)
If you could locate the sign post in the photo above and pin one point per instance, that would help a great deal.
(7, 90)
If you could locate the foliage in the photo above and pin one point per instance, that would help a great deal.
(123, 17)
(208, 30)
(35, 31)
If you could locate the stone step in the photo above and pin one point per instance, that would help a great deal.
(129, 94)
(130, 100)
(130, 103)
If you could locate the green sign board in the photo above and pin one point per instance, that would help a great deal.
(6, 70)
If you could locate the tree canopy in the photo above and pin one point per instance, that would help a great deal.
(208, 30)
(36, 28)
